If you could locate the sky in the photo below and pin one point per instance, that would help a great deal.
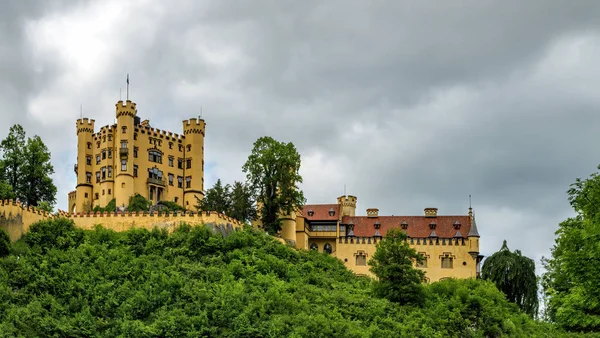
(407, 104)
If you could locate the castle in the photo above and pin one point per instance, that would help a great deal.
(131, 157)
(450, 244)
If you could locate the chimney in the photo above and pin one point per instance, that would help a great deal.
(431, 212)
(372, 212)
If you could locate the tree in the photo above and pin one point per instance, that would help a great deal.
(573, 272)
(241, 202)
(216, 199)
(6, 191)
(26, 168)
(513, 274)
(392, 263)
(138, 202)
(4, 243)
(272, 170)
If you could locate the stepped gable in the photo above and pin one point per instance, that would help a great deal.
(418, 226)
(320, 212)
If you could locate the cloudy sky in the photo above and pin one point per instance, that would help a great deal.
(409, 104)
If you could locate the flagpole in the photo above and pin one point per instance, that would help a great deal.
(127, 86)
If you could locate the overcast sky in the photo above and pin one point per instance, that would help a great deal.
(410, 104)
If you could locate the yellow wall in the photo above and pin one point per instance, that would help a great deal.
(16, 219)
(139, 139)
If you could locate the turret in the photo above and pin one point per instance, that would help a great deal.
(473, 238)
(124, 180)
(83, 168)
(193, 150)
(347, 205)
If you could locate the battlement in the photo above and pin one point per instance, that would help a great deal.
(85, 125)
(27, 208)
(194, 126)
(163, 133)
(126, 109)
(347, 200)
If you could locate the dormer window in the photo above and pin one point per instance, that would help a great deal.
(404, 225)
(456, 225)
(311, 213)
(432, 225)
(331, 212)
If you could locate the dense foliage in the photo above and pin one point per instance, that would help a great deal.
(513, 274)
(4, 243)
(60, 281)
(235, 201)
(25, 169)
(111, 206)
(138, 202)
(398, 279)
(170, 206)
(573, 272)
(272, 170)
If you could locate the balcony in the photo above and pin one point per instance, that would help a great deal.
(156, 181)
(75, 168)
(124, 152)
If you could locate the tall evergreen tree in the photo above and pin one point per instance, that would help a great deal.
(12, 158)
(242, 206)
(398, 280)
(215, 199)
(272, 170)
(513, 274)
(36, 185)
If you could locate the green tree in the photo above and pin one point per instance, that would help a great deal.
(35, 184)
(216, 199)
(6, 191)
(138, 202)
(4, 243)
(573, 271)
(241, 201)
(513, 274)
(13, 147)
(392, 263)
(272, 170)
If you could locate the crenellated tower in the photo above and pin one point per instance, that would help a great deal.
(83, 168)
(193, 150)
(347, 205)
(124, 178)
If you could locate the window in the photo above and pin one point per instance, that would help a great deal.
(170, 161)
(135, 151)
(180, 163)
(109, 153)
(154, 156)
(88, 177)
(361, 259)
(314, 246)
(170, 179)
(102, 192)
(103, 141)
(88, 160)
(85, 195)
(123, 144)
(103, 173)
(135, 171)
(189, 147)
(123, 130)
(104, 154)
(188, 182)
(176, 199)
(327, 248)
(180, 147)
(89, 145)
(96, 196)
(109, 171)
(109, 191)
(170, 145)
(423, 263)
(123, 165)
(98, 144)
(154, 173)
(135, 136)
(179, 182)
(97, 176)
(109, 137)
(97, 159)
(188, 163)
(446, 262)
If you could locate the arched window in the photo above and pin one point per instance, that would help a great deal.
(189, 147)
(124, 129)
(314, 246)
(327, 248)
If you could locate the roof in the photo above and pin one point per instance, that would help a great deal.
(321, 212)
(473, 231)
(418, 226)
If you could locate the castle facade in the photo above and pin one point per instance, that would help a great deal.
(131, 157)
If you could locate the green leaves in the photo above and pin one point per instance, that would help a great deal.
(514, 275)
(272, 170)
(236, 201)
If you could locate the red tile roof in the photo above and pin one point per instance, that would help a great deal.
(418, 226)
(321, 212)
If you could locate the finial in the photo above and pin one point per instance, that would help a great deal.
(469, 201)
(127, 86)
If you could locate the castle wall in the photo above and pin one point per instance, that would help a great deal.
(16, 219)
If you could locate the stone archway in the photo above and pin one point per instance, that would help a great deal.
(73, 209)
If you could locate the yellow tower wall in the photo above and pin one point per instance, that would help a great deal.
(194, 131)
(124, 182)
(85, 130)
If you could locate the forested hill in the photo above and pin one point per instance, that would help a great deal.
(62, 281)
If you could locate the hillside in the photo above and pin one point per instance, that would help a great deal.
(63, 281)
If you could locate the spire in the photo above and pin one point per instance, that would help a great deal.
(473, 231)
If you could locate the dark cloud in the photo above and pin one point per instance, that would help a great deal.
(409, 105)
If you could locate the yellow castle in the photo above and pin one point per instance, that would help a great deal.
(450, 244)
(131, 157)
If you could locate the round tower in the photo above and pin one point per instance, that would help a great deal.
(347, 205)
(193, 164)
(288, 228)
(124, 179)
(83, 168)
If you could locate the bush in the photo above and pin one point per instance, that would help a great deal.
(171, 206)
(110, 207)
(54, 233)
(4, 243)
(138, 202)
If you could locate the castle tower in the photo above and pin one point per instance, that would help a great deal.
(83, 168)
(193, 130)
(347, 205)
(288, 228)
(124, 178)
